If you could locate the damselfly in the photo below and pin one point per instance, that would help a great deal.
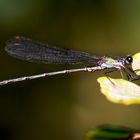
(26, 49)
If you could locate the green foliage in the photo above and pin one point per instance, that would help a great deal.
(112, 132)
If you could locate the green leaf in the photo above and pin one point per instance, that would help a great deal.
(136, 63)
(119, 90)
(112, 132)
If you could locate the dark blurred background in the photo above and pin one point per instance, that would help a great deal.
(64, 107)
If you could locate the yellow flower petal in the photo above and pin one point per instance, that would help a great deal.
(119, 90)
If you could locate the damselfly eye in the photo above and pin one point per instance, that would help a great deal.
(128, 60)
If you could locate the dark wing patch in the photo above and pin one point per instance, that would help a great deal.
(26, 49)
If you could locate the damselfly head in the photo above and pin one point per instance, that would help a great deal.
(128, 60)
